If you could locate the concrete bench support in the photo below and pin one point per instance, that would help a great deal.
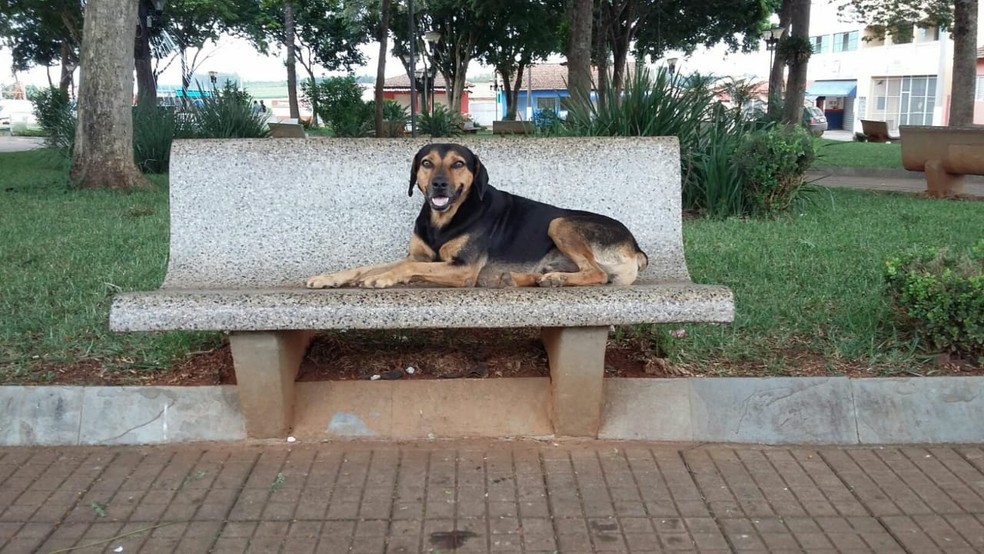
(577, 366)
(945, 154)
(266, 365)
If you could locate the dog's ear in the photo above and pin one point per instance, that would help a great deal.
(481, 177)
(416, 166)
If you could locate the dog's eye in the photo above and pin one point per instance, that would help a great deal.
(426, 163)
(458, 164)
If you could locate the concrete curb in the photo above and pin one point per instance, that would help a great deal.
(773, 410)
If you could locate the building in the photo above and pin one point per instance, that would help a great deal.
(902, 79)
(398, 89)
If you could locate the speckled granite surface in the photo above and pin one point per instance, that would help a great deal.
(283, 309)
(252, 219)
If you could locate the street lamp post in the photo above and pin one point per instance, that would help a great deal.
(411, 64)
(671, 63)
(771, 41)
(494, 87)
(213, 76)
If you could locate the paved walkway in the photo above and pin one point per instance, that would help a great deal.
(523, 496)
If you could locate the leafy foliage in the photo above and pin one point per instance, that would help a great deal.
(938, 297)
(772, 163)
(228, 113)
(395, 119)
(441, 122)
(55, 114)
(341, 106)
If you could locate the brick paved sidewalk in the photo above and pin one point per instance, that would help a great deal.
(487, 496)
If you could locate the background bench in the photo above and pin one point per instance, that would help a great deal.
(876, 131)
(506, 127)
(945, 154)
(245, 238)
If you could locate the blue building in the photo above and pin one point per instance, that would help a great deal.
(544, 87)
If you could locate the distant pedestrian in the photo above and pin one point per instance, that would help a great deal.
(262, 107)
(256, 107)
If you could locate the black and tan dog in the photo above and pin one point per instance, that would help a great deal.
(468, 233)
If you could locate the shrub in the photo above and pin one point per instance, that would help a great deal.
(340, 105)
(938, 298)
(154, 129)
(442, 122)
(55, 113)
(395, 118)
(718, 189)
(772, 163)
(548, 122)
(228, 113)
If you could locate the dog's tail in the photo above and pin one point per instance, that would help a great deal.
(642, 260)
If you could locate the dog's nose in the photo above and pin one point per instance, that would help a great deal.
(440, 185)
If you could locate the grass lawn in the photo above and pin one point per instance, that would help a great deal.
(836, 153)
(808, 286)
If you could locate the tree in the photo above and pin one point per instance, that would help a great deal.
(382, 34)
(103, 153)
(43, 33)
(577, 47)
(519, 33)
(957, 16)
(795, 50)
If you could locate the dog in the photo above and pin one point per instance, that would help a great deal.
(470, 234)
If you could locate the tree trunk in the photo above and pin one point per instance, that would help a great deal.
(512, 89)
(103, 153)
(67, 67)
(964, 63)
(580, 14)
(799, 19)
(146, 84)
(295, 112)
(383, 34)
(778, 73)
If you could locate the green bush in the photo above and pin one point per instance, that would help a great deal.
(340, 105)
(664, 104)
(154, 129)
(938, 298)
(442, 122)
(55, 113)
(228, 113)
(395, 118)
(773, 163)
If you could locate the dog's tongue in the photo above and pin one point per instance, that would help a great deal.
(440, 201)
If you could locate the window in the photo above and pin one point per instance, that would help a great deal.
(846, 42)
(821, 44)
(980, 89)
(546, 103)
(927, 34)
(904, 100)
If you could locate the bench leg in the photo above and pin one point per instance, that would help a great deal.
(577, 367)
(266, 365)
(939, 183)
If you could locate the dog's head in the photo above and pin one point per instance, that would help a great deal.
(447, 174)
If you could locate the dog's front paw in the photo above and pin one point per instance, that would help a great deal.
(552, 280)
(382, 281)
(329, 281)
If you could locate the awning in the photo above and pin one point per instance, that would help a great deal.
(833, 88)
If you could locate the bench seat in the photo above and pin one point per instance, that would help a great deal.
(251, 220)
(420, 307)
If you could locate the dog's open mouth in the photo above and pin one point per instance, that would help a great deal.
(441, 202)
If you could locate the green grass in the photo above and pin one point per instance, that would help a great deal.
(808, 284)
(835, 153)
(63, 254)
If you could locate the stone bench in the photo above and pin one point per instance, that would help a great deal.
(244, 239)
(945, 154)
(877, 131)
(286, 129)
(507, 127)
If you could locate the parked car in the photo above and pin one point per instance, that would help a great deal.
(814, 120)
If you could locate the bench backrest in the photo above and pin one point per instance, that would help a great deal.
(957, 148)
(269, 213)
(876, 131)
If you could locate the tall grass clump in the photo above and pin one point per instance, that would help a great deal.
(726, 165)
(154, 129)
(441, 122)
(228, 113)
(55, 113)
